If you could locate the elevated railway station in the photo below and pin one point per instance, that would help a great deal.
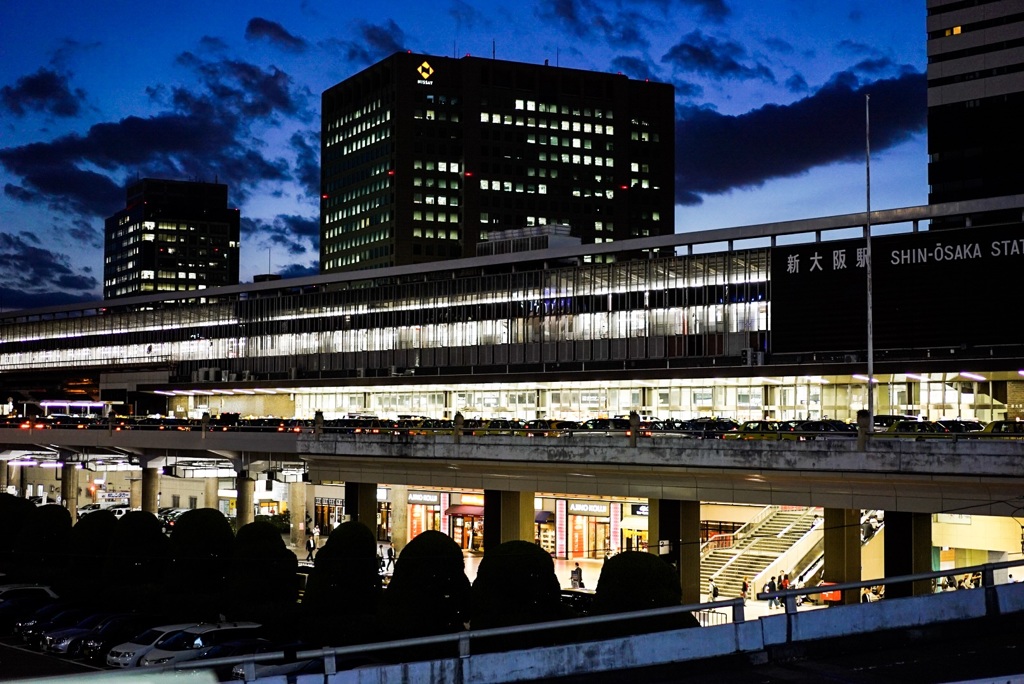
(747, 323)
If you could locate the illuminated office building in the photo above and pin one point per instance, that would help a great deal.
(422, 157)
(171, 236)
(975, 102)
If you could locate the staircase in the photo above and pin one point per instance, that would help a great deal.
(770, 535)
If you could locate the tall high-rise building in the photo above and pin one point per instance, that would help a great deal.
(422, 157)
(975, 102)
(171, 236)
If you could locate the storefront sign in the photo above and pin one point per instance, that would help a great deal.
(472, 500)
(639, 509)
(426, 498)
(324, 501)
(595, 508)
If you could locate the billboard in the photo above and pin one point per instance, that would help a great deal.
(948, 288)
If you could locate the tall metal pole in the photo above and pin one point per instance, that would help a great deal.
(867, 257)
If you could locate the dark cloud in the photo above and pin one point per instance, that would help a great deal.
(206, 134)
(465, 15)
(375, 43)
(586, 19)
(707, 56)
(717, 153)
(33, 273)
(635, 67)
(44, 91)
(297, 234)
(855, 49)
(299, 270)
(776, 44)
(714, 11)
(797, 84)
(259, 28)
(212, 44)
(83, 232)
(306, 146)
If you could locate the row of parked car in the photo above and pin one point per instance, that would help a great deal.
(36, 617)
(701, 428)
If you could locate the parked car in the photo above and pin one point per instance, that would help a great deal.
(825, 429)
(917, 429)
(41, 614)
(189, 642)
(68, 641)
(959, 425)
(129, 653)
(97, 643)
(15, 609)
(763, 430)
(1005, 427)
(20, 590)
(33, 635)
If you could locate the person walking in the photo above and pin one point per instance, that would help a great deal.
(770, 589)
(391, 558)
(316, 536)
(712, 590)
(310, 547)
(745, 589)
(576, 577)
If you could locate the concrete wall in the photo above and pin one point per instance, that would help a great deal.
(992, 533)
(679, 646)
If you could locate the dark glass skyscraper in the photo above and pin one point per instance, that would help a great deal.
(172, 236)
(975, 102)
(422, 156)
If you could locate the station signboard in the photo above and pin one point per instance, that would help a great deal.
(944, 288)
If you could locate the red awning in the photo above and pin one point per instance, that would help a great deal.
(460, 509)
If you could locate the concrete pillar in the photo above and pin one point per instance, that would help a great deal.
(211, 498)
(245, 489)
(4, 469)
(361, 503)
(150, 489)
(297, 513)
(842, 549)
(14, 478)
(674, 534)
(69, 489)
(135, 490)
(399, 516)
(908, 550)
(508, 516)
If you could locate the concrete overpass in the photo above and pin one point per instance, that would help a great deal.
(909, 480)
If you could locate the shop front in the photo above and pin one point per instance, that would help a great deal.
(634, 527)
(424, 512)
(467, 522)
(544, 530)
(589, 528)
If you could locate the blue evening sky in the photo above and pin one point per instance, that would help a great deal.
(770, 107)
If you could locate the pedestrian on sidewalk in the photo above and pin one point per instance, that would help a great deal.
(770, 589)
(576, 577)
(712, 590)
(391, 558)
(745, 589)
(310, 547)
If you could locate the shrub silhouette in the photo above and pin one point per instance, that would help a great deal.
(201, 546)
(262, 580)
(635, 580)
(429, 592)
(344, 589)
(137, 557)
(516, 584)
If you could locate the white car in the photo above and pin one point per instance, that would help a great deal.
(130, 653)
(188, 643)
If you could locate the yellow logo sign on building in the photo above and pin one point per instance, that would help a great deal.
(425, 70)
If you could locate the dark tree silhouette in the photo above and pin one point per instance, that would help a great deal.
(90, 540)
(15, 513)
(344, 588)
(429, 592)
(201, 545)
(138, 554)
(42, 544)
(262, 575)
(515, 585)
(635, 580)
